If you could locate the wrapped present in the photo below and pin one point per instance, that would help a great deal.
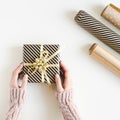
(41, 62)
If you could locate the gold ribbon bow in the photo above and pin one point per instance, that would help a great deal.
(41, 64)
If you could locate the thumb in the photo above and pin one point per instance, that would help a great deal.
(24, 81)
(58, 83)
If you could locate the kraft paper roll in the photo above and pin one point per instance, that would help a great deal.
(105, 57)
(99, 30)
(112, 14)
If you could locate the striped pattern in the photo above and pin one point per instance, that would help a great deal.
(99, 30)
(31, 52)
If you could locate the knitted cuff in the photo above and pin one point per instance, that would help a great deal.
(65, 97)
(17, 95)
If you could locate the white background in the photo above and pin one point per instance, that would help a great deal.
(96, 88)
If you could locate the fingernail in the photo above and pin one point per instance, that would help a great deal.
(57, 76)
(21, 63)
(26, 76)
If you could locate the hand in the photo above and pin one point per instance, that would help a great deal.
(67, 82)
(14, 79)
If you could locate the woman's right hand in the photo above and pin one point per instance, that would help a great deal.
(67, 82)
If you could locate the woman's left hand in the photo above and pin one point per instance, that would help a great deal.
(14, 79)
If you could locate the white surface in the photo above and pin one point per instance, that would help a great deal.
(96, 88)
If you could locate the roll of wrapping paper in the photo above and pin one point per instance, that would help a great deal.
(112, 14)
(99, 30)
(105, 57)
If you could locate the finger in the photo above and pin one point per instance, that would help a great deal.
(15, 75)
(24, 81)
(67, 84)
(63, 66)
(58, 83)
(65, 70)
(18, 69)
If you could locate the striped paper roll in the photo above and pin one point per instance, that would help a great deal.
(31, 52)
(99, 30)
(105, 57)
(112, 14)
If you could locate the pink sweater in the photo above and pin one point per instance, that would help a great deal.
(17, 97)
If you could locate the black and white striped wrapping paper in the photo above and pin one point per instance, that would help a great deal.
(31, 52)
(99, 30)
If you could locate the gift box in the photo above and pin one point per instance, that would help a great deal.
(41, 62)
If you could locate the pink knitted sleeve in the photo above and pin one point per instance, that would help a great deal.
(17, 96)
(69, 110)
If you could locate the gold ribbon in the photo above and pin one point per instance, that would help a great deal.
(41, 63)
